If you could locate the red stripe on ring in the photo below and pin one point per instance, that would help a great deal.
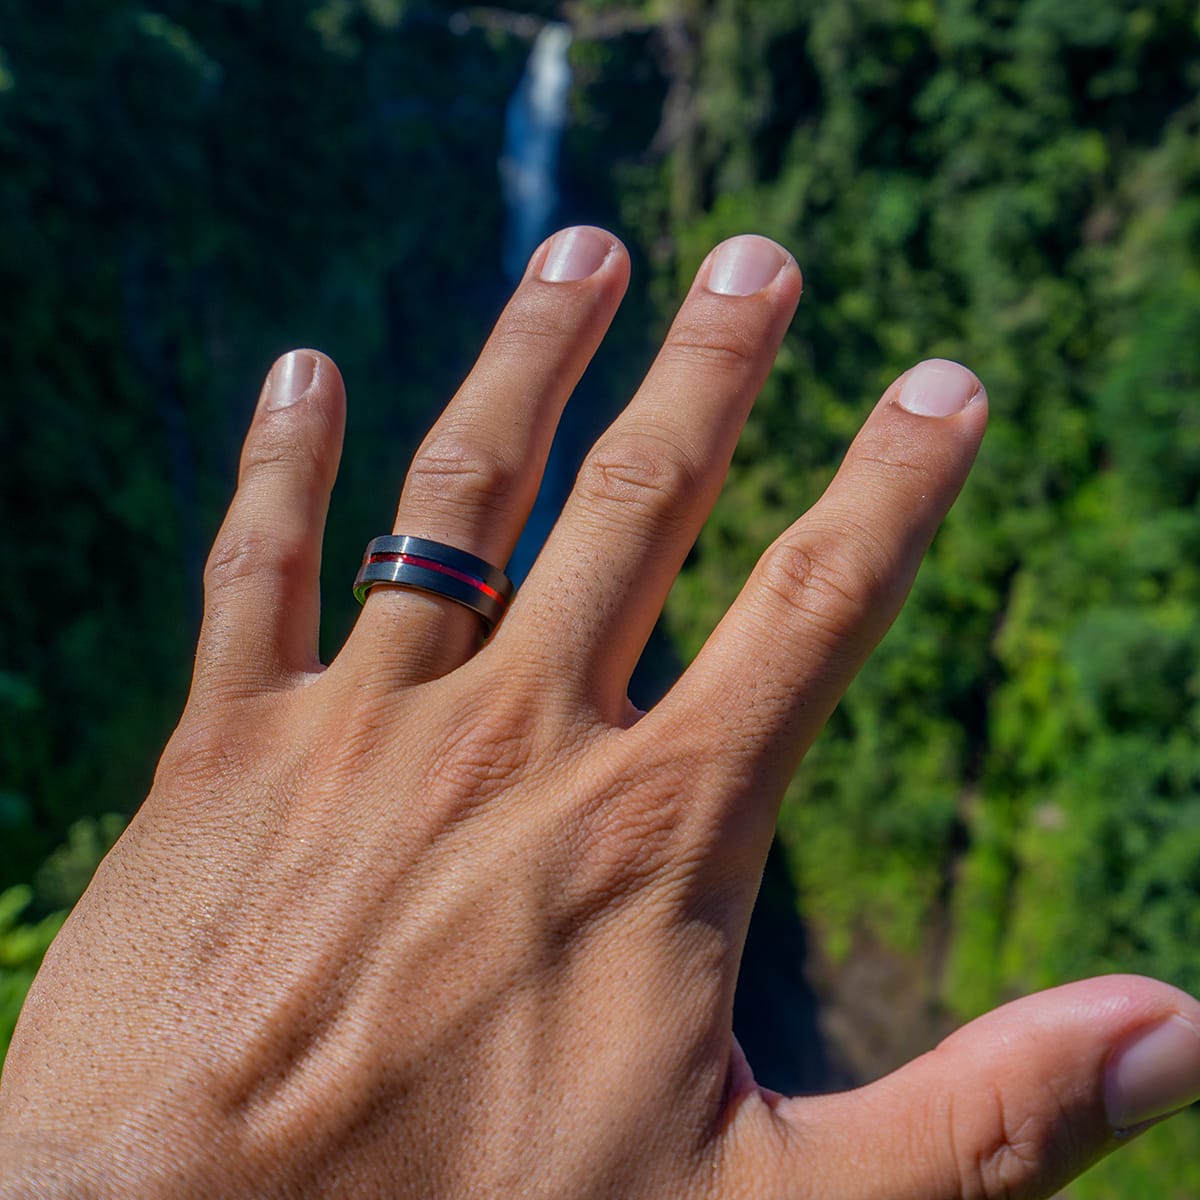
(429, 564)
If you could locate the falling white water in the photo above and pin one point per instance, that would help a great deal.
(533, 125)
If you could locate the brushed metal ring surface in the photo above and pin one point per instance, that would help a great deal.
(427, 566)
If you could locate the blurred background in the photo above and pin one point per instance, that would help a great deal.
(1009, 797)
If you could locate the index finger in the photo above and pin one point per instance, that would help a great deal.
(825, 593)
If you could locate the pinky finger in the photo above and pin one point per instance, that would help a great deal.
(261, 584)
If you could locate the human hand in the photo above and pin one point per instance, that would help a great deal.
(451, 921)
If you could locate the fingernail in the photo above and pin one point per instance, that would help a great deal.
(744, 265)
(1154, 1073)
(575, 254)
(290, 378)
(938, 388)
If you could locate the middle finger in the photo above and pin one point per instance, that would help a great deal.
(647, 486)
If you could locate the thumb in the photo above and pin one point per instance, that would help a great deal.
(1013, 1105)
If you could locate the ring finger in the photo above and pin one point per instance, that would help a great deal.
(473, 480)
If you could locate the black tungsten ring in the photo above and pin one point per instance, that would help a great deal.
(427, 566)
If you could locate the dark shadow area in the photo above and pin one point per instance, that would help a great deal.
(775, 1011)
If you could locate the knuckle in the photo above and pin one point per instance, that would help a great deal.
(631, 838)
(277, 559)
(994, 1156)
(455, 467)
(271, 451)
(626, 825)
(645, 472)
(236, 556)
(532, 329)
(722, 348)
(619, 837)
(821, 582)
(201, 757)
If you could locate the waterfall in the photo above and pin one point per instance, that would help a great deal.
(533, 125)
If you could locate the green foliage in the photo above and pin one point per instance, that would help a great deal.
(61, 879)
(1011, 789)
(185, 192)
(1013, 783)
(1159, 1163)
(1015, 776)
(986, 181)
(21, 948)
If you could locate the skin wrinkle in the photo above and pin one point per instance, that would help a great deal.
(693, 353)
(463, 756)
(730, 812)
(808, 582)
(1001, 1164)
(534, 326)
(462, 477)
(608, 870)
(734, 325)
(642, 474)
(258, 558)
(522, 333)
(844, 545)
(881, 563)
